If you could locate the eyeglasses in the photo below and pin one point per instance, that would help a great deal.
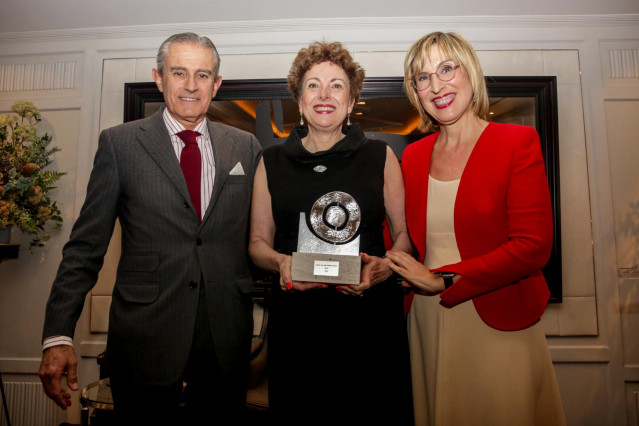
(445, 72)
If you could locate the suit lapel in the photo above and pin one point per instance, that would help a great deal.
(418, 196)
(155, 139)
(422, 198)
(223, 155)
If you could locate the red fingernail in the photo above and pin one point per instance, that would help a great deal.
(289, 286)
(350, 286)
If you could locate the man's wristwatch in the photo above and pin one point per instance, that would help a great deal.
(448, 278)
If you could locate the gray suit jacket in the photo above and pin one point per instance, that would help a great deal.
(165, 253)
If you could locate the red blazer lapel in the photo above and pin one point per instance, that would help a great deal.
(416, 168)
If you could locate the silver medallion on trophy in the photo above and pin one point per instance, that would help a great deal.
(329, 253)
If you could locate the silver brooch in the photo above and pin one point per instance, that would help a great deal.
(319, 169)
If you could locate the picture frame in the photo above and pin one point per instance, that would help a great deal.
(265, 107)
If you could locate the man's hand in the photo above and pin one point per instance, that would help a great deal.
(56, 361)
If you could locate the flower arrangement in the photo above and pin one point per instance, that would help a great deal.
(24, 182)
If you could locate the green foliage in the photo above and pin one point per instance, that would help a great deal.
(24, 183)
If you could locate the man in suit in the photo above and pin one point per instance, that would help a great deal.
(181, 307)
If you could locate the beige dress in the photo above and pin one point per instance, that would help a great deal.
(465, 372)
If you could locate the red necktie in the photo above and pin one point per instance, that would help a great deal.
(191, 163)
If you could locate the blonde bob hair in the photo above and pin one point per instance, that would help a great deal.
(456, 48)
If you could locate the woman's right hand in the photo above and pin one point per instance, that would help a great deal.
(286, 279)
(415, 274)
(263, 233)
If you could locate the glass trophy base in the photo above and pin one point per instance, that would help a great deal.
(326, 268)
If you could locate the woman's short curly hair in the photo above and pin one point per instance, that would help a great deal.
(319, 52)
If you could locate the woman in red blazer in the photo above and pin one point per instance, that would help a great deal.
(478, 211)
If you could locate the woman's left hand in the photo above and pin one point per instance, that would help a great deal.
(375, 270)
(415, 274)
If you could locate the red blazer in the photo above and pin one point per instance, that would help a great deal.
(503, 224)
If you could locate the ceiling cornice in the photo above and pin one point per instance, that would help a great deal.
(321, 25)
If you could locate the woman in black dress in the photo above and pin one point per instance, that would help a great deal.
(337, 353)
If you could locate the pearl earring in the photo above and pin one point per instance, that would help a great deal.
(301, 119)
(348, 119)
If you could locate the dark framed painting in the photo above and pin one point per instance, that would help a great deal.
(266, 109)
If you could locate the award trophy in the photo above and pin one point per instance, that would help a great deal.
(329, 253)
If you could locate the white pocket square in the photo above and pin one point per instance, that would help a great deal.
(237, 170)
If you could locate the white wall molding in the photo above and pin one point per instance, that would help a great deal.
(624, 63)
(17, 365)
(39, 76)
(42, 75)
(43, 102)
(91, 349)
(421, 23)
(589, 353)
(620, 63)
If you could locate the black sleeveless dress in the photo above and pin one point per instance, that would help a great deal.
(333, 358)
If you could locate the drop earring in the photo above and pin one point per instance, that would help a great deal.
(301, 119)
(348, 120)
